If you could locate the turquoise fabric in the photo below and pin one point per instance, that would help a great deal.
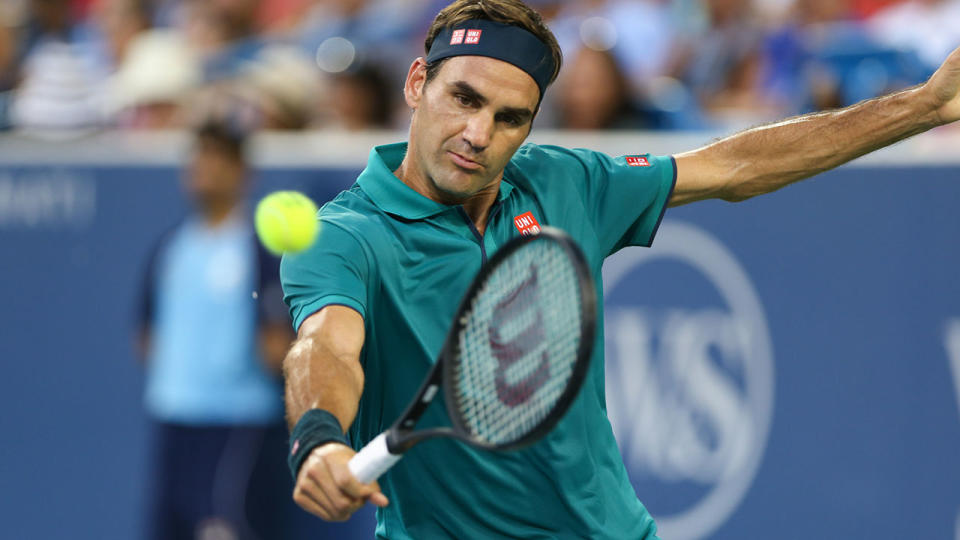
(403, 262)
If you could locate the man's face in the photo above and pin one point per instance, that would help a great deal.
(216, 175)
(467, 123)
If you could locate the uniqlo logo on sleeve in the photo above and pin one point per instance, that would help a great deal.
(457, 37)
(638, 161)
(473, 37)
(526, 224)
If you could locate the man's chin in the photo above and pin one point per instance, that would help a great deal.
(458, 187)
(448, 196)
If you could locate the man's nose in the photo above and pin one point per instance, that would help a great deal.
(478, 131)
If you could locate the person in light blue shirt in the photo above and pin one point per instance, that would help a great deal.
(214, 330)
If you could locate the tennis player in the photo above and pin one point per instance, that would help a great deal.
(373, 299)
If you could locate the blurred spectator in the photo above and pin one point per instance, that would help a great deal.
(216, 54)
(791, 75)
(47, 20)
(864, 9)
(929, 27)
(224, 33)
(155, 79)
(823, 58)
(361, 98)
(721, 66)
(214, 332)
(342, 34)
(281, 85)
(282, 17)
(11, 18)
(8, 60)
(594, 94)
(638, 33)
(61, 79)
(121, 21)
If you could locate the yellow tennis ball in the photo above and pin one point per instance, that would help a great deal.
(286, 222)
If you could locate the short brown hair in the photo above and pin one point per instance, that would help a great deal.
(512, 12)
(228, 138)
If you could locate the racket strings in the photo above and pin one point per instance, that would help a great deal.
(502, 424)
(519, 344)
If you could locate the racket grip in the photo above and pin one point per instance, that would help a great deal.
(373, 460)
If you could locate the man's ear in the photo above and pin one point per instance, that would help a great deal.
(416, 79)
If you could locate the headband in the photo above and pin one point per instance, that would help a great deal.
(505, 42)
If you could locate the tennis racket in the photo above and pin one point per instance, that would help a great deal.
(514, 358)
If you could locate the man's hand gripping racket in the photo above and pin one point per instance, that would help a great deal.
(515, 356)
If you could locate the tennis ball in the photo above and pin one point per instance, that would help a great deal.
(286, 222)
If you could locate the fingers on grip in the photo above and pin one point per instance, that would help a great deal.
(326, 488)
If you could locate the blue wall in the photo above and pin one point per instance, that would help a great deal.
(855, 276)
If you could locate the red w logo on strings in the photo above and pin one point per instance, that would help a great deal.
(519, 302)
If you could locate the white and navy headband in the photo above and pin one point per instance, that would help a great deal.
(505, 42)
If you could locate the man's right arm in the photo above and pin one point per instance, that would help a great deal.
(323, 371)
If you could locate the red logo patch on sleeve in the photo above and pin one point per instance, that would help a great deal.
(457, 37)
(526, 224)
(473, 37)
(638, 161)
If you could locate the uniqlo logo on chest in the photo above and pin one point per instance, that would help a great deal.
(457, 37)
(638, 161)
(526, 224)
(473, 37)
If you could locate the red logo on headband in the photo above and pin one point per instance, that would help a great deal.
(473, 37)
(638, 161)
(457, 37)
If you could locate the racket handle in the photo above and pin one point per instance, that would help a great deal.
(373, 460)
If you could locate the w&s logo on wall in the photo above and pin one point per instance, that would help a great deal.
(689, 377)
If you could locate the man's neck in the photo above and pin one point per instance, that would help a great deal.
(215, 215)
(476, 206)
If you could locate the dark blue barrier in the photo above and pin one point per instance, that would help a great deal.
(779, 368)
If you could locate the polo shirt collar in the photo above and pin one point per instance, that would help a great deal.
(393, 196)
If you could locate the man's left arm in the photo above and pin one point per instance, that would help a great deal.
(767, 158)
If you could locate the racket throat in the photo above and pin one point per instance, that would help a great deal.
(417, 407)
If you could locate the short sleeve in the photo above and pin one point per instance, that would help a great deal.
(622, 198)
(626, 196)
(334, 270)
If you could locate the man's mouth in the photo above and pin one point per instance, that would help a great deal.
(464, 162)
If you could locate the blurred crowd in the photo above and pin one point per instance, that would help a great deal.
(315, 64)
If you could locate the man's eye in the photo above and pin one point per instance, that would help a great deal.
(511, 120)
(463, 100)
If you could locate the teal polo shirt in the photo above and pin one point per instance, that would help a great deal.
(403, 261)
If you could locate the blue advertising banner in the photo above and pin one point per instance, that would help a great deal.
(786, 367)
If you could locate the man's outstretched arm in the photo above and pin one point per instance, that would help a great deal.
(764, 159)
(323, 371)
